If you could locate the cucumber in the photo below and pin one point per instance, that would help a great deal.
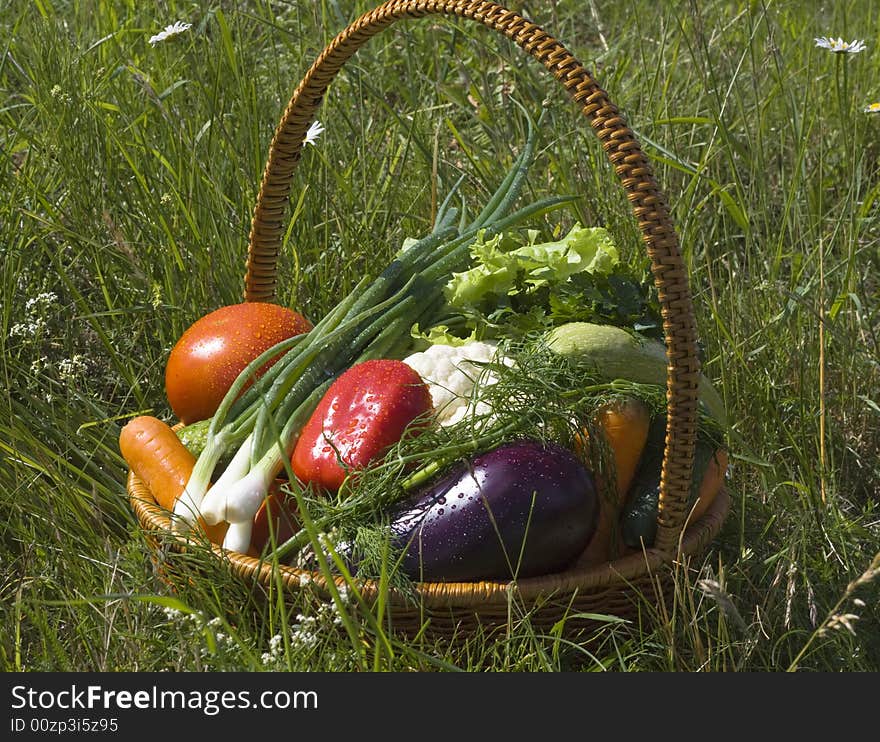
(194, 438)
(638, 522)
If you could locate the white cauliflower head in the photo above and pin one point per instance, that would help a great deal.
(451, 373)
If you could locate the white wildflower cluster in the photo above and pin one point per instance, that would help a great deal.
(59, 94)
(305, 635)
(173, 614)
(32, 327)
(35, 325)
(36, 333)
(43, 299)
(70, 368)
(275, 654)
(306, 632)
(34, 322)
(194, 625)
(225, 643)
(46, 324)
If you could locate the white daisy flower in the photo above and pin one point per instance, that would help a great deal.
(839, 46)
(872, 108)
(175, 29)
(315, 130)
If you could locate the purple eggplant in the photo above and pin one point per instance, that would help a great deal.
(523, 509)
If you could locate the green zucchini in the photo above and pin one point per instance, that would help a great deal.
(615, 353)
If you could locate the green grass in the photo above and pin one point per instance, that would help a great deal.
(128, 174)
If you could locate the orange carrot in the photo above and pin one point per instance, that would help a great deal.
(159, 459)
(624, 426)
(711, 483)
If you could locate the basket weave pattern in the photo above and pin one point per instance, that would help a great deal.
(605, 588)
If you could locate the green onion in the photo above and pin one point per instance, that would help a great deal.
(373, 321)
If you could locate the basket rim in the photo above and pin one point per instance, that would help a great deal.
(695, 538)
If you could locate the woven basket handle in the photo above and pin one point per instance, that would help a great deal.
(648, 204)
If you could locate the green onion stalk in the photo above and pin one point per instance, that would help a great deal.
(261, 424)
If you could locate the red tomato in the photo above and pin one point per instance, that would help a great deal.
(364, 411)
(216, 348)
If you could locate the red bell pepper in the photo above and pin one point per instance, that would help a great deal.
(364, 412)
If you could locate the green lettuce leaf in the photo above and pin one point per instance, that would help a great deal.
(504, 267)
(438, 335)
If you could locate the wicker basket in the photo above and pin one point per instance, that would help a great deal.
(618, 587)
